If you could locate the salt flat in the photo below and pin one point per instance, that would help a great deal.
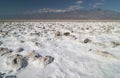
(60, 49)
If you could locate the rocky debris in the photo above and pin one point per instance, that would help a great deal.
(90, 50)
(38, 44)
(67, 34)
(87, 28)
(2, 75)
(115, 44)
(22, 41)
(46, 60)
(74, 37)
(36, 33)
(99, 44)
(82, 28)
(33, 56)
(58, 33)
(4, 51)
(16, 62)
(104, 54)
(20, 49)
(87, 40)
(1, 42)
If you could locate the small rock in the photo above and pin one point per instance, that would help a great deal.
(87, 40)
(46, 60)
(87, 28)
(20, 49)
(67, 33)
(36, 33)
(1, 42)
(10, 50)
(38, 44)
(33, 56)
(82, 28)
(4, 51)
(90, 50)
(2, 75)
(43, 27)
(58, 33)
(22, 41)
(115, 44)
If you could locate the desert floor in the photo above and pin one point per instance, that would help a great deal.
(60, 49)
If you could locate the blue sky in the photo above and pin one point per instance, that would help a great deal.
(36, 6)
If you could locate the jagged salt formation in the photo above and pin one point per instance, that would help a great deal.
(14, 62)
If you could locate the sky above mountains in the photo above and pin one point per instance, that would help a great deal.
(8, 7)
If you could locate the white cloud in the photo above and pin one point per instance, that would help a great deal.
(45, 10)
(75, 6)
(96, 5)
(78, 2)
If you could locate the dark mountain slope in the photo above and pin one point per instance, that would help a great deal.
(93, 14)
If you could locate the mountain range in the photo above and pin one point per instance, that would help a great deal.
(93, 14)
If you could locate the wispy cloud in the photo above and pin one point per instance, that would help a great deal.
(96, 5)
(75, 6)
(45, 10)
(78, 2)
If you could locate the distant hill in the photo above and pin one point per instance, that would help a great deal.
(93, 14)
